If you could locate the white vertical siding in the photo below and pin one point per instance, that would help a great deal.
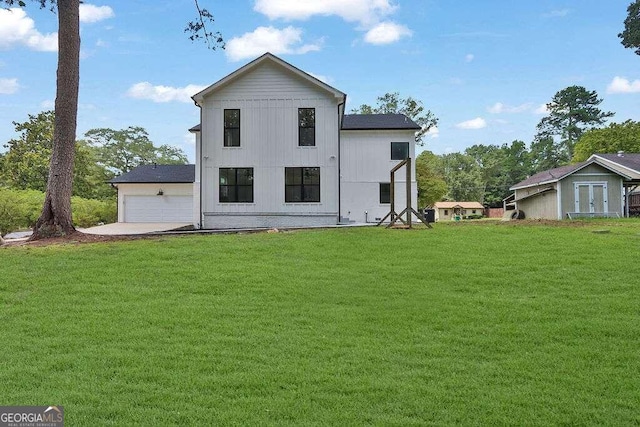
(268, 99)
(366, 162)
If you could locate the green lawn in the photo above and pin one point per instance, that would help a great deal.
(472, 324)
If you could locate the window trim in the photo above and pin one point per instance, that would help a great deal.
(301, 127)
(225, 128)
(405, 143)
(235, 187)
(302, 185)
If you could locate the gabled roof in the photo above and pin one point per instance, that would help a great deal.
(196, 128)
(158, 174)
(267, 58)
(463, 205)
(548, 176)
(378, 121)
(557, 174)
(628, 163)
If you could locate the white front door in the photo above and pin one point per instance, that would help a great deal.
(591, 197)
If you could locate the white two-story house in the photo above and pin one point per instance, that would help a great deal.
(275, 149)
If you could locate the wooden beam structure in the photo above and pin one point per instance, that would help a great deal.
(408, 210)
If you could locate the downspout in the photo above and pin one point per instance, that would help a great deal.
(340, 117)
(200, 213)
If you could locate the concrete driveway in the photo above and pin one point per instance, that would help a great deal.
(131, 228)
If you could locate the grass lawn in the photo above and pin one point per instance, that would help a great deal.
(473, 324)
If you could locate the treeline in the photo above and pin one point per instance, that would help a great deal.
(572, 130)
(101, 155)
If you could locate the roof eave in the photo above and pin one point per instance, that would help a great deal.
(199, 97)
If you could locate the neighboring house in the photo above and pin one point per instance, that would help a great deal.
(275, 149)
(596, 187)
(156, 193)
(450, 210)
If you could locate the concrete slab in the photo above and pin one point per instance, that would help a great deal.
(132, 228)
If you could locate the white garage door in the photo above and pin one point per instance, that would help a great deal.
(158, 208)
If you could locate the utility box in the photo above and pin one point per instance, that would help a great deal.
(430, 215)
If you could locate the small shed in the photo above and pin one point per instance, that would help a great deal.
(157, 193)
(588, 189)
(456, 210)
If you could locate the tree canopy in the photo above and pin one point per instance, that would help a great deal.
(631, 34)
(119, 151)
(572, 111)
(611, 139)
(410, 107)
(431, 184)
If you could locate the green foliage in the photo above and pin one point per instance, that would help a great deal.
(615, 137)
(89, 212)
(571, 111)
(631, 34)
(464, 178)
(119, 151)
(431, 184)
(26, 163)
(481, 325)
(20, 209)
(412, 108)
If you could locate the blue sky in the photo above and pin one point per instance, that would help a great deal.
(485, 68)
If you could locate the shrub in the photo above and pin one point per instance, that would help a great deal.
(90, 212)
(21, 209)
(473, 216)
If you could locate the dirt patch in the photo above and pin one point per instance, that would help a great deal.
(75, 238)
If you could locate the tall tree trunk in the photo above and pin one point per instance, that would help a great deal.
(55, 219)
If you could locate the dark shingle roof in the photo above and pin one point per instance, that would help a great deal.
(550, 175)
(158, 174)
(378, 121)
(196, 128)
(629, 160)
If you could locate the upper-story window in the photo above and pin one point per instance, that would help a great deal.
(306, 127)
(232, 128)
(399, 150)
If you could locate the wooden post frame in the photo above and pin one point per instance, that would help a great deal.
(408, 210)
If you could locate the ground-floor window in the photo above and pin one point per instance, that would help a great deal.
(301, 185)
(236, 185)
(385, 193)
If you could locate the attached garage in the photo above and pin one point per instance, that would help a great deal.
(157, 193)
(158, 208)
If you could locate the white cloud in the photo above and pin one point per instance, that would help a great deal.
(8, 86)
(622, 85)
(542, 109)
(16, 28)
(102, 43)
(90, 13)
(499, 108)
(322, 78)
(268, 39)
(47, 104)
(559, 13)
(469, 57)
(145, 90)
(365, 12)
(477, 123)
(433, 133)
(386, 32)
